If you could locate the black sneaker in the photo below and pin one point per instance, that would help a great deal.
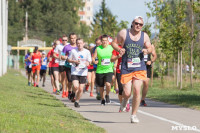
(69, 95)
(107, 99)
(43, 85)
(103, 102)
(143, 103)
(37, 86)
(76, 104)
(72, 97)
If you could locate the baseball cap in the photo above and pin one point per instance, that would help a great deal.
(43, 52)
(92, 45)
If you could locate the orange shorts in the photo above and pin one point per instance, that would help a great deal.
(34, 68)
(142, 75)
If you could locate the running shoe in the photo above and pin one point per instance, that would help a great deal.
(34, 85)
(37, 85)
(76, 104)
(86, 87)
(134, 119)
(123, 106)
(143, 103)
(128, 107)
(98, 97)
(60, 87)
(29, 83)
(91, 94)
(72, 97)
(103, 102)
(66, 94)
(107, 99)
(43, 85)
(69, 95)
(63, 94)
(57, 92)
(54, 90)
(112, 89)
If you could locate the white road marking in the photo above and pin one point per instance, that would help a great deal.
(157, 117)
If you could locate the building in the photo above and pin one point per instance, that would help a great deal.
(86, 13)
(3, 36)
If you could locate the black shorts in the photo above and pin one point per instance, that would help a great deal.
(118, 76)
(42, 72)
(28, 69)
(61, 69)
(81, 79)
(95, 69)
(90, 70)
(148, 71)
(68, 74)
(50, 71)
(55, 69)
(102, 78)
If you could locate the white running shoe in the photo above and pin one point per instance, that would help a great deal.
(134, 119)
(123, 106)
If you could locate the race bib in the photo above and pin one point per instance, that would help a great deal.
(145, 57)
(30, 66)
(81, 66)
(44, 63)
(120, 65)
(36, 61)
(56, 60)
(133, 62)
(105, 62)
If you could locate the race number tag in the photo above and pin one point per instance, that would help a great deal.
(120, 65)
(82, 65)
(134, 62)
(44, 63)
(145, 57)
(36, 61)
(105, 62)
(30, 66)
(56, 60)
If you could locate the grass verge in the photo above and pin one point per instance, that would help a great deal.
(187, 97)
(31, 109)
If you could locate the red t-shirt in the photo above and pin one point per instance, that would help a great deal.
(53, 63)
(115, 53)
(36, 58)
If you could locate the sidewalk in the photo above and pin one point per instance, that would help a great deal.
(158, 117)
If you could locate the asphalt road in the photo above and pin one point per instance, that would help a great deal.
(157, 117)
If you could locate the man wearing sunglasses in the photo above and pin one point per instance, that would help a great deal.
(135, 44)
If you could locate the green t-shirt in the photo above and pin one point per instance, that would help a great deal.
(104, 57)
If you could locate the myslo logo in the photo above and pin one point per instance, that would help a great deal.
(184, 128)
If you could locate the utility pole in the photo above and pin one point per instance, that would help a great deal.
(192, 43)
(26, 27)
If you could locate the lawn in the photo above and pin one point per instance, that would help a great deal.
(187, 97)
(25, 109)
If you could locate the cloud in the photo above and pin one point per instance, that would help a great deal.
(96, 4)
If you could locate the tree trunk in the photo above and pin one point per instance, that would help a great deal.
(191, 48)
(181, 71)
(174, 72)
(177, 79)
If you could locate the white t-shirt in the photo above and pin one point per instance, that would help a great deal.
(83, 56)
(58, 50)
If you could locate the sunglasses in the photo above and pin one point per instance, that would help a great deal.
(64, 40)
(136, 23)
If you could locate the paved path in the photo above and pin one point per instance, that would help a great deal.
(158, 117)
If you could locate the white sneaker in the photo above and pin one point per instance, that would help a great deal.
(134, 119)
(123, 106)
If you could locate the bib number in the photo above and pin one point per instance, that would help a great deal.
(30, 66)
(105, 62)
(145, 57)
(134, 62)
(56, 60)
(120, 65)
(44, 63)
(36, 61)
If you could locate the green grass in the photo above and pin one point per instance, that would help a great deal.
(187, 97)
(25, 109)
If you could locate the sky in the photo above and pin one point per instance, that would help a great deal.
(125, 9)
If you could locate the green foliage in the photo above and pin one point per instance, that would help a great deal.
(105, 23)
(47, 19)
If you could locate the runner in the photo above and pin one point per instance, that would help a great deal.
(58, 50)
(36, 64)
(55, 67)
(133, 67)
(50, 60)
(66, 50)
(118, 58)
(104, 71)
(98, 43)
(148, 62)
(43, 68)
(81, 58)
(29, 66)
(91, 74)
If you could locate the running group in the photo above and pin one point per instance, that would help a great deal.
(121, 65)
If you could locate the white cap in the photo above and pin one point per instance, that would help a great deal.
(43, 52)
(52, 43)
(92, 45)
(140, 17)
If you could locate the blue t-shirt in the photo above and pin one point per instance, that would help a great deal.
(44, 64)
(27, 62)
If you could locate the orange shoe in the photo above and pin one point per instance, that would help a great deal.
(87, 87)
(91, 94)
(54, 90)
(63, 94)
(66, 94)
(34, 85)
